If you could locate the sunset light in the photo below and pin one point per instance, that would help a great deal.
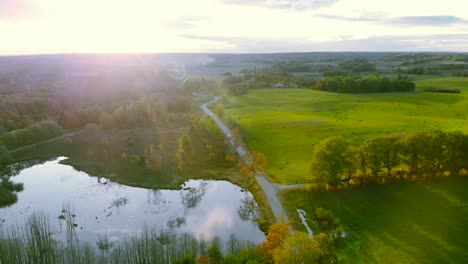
(58, 26)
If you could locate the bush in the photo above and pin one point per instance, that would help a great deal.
(4, 156)
(441, 90)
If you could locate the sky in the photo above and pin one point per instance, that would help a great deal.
(231, 26)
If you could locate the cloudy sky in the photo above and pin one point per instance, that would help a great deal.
(63, 26)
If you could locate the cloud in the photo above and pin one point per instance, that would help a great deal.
(428, 20)
(351, 19)
(284, 4)
(184, 22)
(210, 225)
(12, 9)
(414, 21)
(441, 42)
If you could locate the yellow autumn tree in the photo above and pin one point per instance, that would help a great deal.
(68, 140)
(251, 164)
(300, 248)
(277, 234)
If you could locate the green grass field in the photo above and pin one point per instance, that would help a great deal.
(285, 124)
(404, 222)
(451, 83)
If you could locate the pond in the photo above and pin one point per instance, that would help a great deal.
(202, 207)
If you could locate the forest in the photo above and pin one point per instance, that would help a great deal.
(368, 84)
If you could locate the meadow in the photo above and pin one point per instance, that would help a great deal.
(285, 124)
(460, 83)
(404, 222)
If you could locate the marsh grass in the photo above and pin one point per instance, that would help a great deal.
(34, 243)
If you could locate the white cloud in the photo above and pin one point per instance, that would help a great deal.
(297, 5)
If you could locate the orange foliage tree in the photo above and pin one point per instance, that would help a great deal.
(277, 234)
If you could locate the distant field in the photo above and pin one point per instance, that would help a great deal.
(284, 124)
(404, 222)
(459, 83)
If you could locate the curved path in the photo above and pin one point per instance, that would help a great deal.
(268, 188)
(47, 141)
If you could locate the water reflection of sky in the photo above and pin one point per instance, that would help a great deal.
(208, 208)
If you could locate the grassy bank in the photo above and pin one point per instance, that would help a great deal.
(405, 222)
(285, 124)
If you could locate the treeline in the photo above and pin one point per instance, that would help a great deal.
(358, 65)
(369, 84)
(421, 71)
(435, 69)
(140, 113)
(419, 58)
(192, 85)
(76, 94)
(441, 90)
(20, 111)
(460, 74)
(257, 79)
(30, 135)
(293, 66)
(388, 158)
(139, 110)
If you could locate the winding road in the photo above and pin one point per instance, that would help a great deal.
(270, 189)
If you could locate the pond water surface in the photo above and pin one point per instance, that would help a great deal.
(208, 208)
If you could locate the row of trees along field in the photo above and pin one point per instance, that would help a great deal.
(389, 158)
(369, 84)
(32, 134)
